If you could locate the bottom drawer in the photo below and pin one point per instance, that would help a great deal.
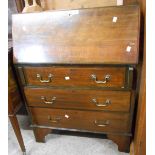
(81, 120)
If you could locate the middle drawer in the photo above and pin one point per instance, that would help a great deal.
(79, 99)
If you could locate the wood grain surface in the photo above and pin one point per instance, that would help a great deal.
(76, 76)
(87, 36)
(79, 99)
(85, 120)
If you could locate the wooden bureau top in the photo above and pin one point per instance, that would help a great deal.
(107, 35)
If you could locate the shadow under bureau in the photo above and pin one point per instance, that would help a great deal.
(76, 69)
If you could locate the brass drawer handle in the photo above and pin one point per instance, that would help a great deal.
(39, 77)
(54, 120)
(102, 123)
(106, 79)
(106, 103)
(48, 102)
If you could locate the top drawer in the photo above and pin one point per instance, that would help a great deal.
(107, 35)
(112, 77)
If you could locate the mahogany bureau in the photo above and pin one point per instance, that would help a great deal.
(76, 69)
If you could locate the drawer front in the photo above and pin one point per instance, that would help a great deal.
(78, 99)
(76, 76)
(82, 120)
